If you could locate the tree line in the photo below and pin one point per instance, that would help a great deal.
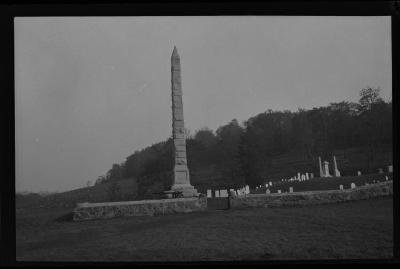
(244, 153)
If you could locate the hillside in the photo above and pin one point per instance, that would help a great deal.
(203, 178)
(127, 190)
(269, 146)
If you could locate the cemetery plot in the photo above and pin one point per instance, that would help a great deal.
(320, 184)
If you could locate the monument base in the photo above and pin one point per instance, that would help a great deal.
(186, 189)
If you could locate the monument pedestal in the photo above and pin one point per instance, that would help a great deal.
(182, 181)
(186, 189)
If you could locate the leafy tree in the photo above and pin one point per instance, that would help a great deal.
(114, 192)
(368, 97)
(206, 137)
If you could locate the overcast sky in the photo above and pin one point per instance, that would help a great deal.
(89, 91)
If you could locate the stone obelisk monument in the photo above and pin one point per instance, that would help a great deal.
(337, 172)
(181, 180)
(321, 172)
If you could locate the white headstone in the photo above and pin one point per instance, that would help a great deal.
(390, 168)
(290, 189)
(298, 176)
(209, 194)
(386, 178)
(216, 193)
(307, 176)
(270, 183)
(341, 187)
(279, 191)
(267, 191)
(353, 185)
(247, 189)
(223, 193)
(326, 169)
(311, 175)
(335, 168)
(359, 173)
(266, 185)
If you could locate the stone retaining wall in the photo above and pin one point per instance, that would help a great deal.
(88, 211)
(312, 197)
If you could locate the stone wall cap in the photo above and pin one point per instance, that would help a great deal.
(162, 201)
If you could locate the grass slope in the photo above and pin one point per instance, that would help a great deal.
(127, 190)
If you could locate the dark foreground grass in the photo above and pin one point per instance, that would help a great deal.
(352, 230)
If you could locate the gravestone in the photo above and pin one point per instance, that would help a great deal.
(270, 183)
(341, 187)
(209, 194)
(386, 178)
(181, 180)
(233, 193)
(326, 169)
(336, 172)
(216, 194)
(298, 176)
(223, 193)
(311, 175)
(290, 189)
(247, 189)
(267, 191)
(279, 191)
(390, 168)
(307, 176)
(359, 173)
(353, 185)
(321, 172)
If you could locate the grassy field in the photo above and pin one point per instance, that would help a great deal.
(361, 229)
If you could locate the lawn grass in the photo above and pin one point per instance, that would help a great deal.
(351, 230)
